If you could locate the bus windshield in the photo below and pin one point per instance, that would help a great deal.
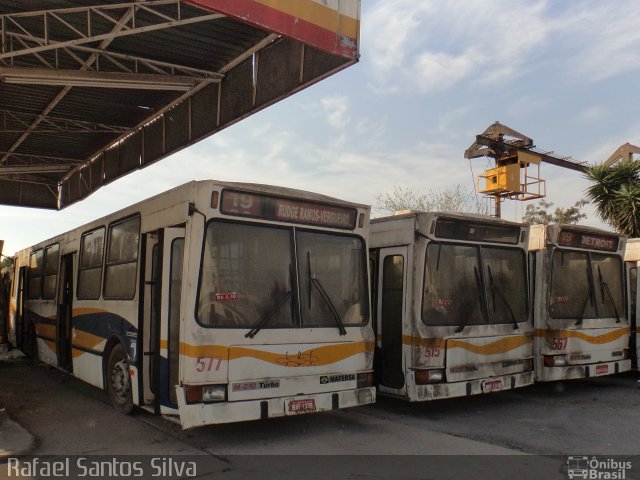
(251, 278)
(474, 285)
(585, 285)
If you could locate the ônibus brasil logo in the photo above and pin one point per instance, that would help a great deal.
(594, 468)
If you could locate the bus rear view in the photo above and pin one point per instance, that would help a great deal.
(451, 301)
(579, 313)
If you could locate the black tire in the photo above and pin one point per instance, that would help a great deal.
(118, 381)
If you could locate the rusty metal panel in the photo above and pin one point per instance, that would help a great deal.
(97, 173)
(111, 165)
(332, 25)
(38, 196)
(153, 142)
(73, 188)
(237, 93)
(278, 72)
(204, 112)
(176, 123)
(130, 151)
(319, 64)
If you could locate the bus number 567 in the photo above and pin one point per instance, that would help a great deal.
(559, 343)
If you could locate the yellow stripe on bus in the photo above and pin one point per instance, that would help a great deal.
(87, 311)
(50, 344)
(46, 330)
(501, 345)
(324, 355)
(593, 339)
(86, 340)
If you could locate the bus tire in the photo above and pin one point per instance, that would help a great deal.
(118, 380)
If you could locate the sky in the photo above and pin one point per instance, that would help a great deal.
(432, 75)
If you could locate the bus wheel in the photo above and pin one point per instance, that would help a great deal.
(119, 381)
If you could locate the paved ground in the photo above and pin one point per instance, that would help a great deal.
(595, 417)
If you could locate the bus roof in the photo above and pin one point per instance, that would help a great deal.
(191, 190)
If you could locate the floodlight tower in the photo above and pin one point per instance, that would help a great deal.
(516, 171)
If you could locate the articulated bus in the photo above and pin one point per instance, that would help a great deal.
(580, 321)
(210, 303)
(632, 262)
(451, 305)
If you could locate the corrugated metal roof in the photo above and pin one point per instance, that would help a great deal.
(81, 81)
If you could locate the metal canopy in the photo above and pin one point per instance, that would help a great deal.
(92, 90)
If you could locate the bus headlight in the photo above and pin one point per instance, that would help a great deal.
(424, 377)
(214, 393)
(205, 393)
(555, 360)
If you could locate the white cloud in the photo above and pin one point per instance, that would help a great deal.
(434, 44)
(593, 114)
(606, 39)
(336, 111)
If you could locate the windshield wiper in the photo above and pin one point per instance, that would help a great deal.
(494, 290)
(313, 281)
(462, 326)
(591, 295)
(604, 287)
(264, 320)
(316, 283)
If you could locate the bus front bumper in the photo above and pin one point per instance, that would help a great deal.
(570, 372)
(200, 414)
(436, 391)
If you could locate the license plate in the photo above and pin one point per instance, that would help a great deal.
(297, 407)
(602, 369)
(492, 386)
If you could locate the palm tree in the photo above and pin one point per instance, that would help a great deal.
(616, 194)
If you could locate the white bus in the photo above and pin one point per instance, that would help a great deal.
(580, 318)
(210, 303)
(450, 295)
(632, 261)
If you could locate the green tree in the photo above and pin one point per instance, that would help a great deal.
(616, 194)
(445, 199)
(6, 262)
(542, 213)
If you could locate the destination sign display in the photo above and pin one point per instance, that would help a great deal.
(477, 232)
(287, 210)
(588, 241)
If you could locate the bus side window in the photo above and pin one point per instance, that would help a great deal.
(90, 265)
(122, 260)
(51, 255)
(35, 275)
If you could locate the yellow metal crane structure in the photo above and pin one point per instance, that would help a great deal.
(624, 153)
(515, 174)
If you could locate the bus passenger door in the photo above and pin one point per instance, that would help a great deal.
(173, 256)
(632, 295)
(391, 308)
(161, 319)
(19, 325)
(65, 309)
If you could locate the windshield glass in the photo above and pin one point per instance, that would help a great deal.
(506, 273)
(245, 275)
(336, 265)
(452, 294)
(571, 294)
(247, 270)
(607, 272)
